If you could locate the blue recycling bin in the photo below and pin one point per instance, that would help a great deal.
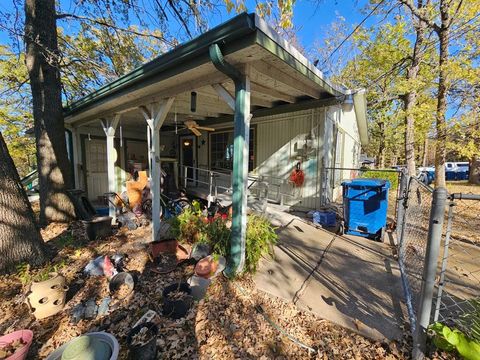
(365, 204)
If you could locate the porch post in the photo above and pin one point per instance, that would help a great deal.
(240, 176)
(241, 134)
(155, 118)
(109, 127)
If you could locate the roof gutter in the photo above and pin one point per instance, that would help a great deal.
(360, 106)
(241, 131)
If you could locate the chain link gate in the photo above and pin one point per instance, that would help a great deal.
(457, 303)
(440, 266)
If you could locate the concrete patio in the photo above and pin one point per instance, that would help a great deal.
(350, 281)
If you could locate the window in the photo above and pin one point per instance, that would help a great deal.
(221, 150)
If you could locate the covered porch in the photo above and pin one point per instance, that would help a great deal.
(238, 74)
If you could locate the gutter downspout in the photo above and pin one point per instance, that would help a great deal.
(241, 134)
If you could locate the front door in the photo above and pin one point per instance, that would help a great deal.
(188, 156)
(96, 166)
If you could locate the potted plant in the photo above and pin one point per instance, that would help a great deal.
(142, 342)
(177, 300)
(46, 295)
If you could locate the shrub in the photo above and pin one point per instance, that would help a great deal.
(191, 226)
(384, 175)
(188, 227)
(261, 238)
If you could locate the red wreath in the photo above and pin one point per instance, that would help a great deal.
(297, 177)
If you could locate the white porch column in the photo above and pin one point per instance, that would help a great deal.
(155, 116)
(109, 126)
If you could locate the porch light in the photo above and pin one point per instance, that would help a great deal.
(186, 143)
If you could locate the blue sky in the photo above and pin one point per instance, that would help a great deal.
(311, 17)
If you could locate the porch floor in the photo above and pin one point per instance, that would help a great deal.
(350, 281)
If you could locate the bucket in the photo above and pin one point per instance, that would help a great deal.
(122, 278)
(100, 339)
(147, 350)
(177, 309)
(25, 335)
(325, 218)
(98, 227)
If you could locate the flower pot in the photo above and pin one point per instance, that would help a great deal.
(98, 227)
(21, 353)
(177, 308)
(207, 267)
(146, 350)
(170, 247)
(163, 246)
(121, 279)
(199, 286)
(100, 345)
(47, 298)
(183, 252)
(201, 250)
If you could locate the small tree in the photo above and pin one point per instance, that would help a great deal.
(20, 239)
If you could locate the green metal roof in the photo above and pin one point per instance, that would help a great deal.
(239, 32)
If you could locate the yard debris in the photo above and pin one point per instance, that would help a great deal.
(222, 325)
(7, 350)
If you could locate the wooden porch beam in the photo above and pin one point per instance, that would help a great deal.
(260, 67)
(225, 95)
(190, 85)
(272, 92)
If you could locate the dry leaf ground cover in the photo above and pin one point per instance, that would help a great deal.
(466, 222)
(224, 325)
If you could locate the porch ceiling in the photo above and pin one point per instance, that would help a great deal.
(279, 75)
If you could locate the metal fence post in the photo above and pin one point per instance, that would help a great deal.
(448, 234)
(437, 215)
(402, 195)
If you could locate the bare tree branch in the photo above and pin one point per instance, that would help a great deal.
(415, 11)
(112, 26)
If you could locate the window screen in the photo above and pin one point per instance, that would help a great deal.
(221, 150)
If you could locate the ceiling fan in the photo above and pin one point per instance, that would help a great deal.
(194, 127)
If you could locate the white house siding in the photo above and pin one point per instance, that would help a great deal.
(342, 150)
(281, 143)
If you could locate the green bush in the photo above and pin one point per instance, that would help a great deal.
(188, 227)
(193, 227)
(383, 175)
(261, 238)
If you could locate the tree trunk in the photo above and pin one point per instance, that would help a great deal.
(441, 125)
(425, 152)
(381, 147)
(474, 171)
(20, 239)
(410, 98)
(54, 173)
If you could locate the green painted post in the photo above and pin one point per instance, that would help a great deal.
(241, 135)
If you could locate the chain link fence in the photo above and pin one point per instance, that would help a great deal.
(439, 259)
(457, 303)
(413, 233)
